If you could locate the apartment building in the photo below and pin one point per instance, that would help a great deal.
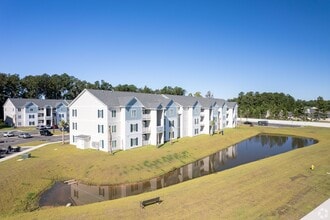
(32, 112)
(110, 120)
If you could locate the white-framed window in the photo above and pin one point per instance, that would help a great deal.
(19, 123)
(134, 142)
(31, 123)
(114, 144)
(100, 129)
(100, 113)
(113, 128)
(196, 121)
(74, 113)
(134, 128)
(19, 116)
(196, 131)
(19, 109)
(133, 113)
(113, 113)
(102, 143)
(31, 109)
(74, 126)
(31, 116)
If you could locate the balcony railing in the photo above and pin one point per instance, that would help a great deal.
(146, 116)
(146, 130)
(145, 143)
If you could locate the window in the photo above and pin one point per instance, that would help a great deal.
(31, 116)
(19, 109)
(113, 113)
(196, 121)
(134, 128)
(114, 144)
(19, 117)
(31, 109)
(100, 129)
(102, 143)
(171, 123)
(100, 113)
(74, 139)
(31, 123)
(113, 128)
(133, 113)
(134, 142)
(74, 112)
(74, 126)
(196, 131)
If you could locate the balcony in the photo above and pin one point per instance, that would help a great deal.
(144, 143)
(146, 129)
(146, 116)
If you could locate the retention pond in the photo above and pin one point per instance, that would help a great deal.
(249, 150)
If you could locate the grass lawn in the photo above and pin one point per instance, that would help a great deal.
(282, 186)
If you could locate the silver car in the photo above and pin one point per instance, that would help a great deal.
(24, 135)
(9, 134)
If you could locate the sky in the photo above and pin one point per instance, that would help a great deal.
(225, 47)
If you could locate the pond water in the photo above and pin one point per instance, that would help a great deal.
(252, 149)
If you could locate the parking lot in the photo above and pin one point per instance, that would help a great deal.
(16, 141)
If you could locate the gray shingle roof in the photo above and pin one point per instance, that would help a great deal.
(187, 101)
(115, 98)
(20, 102)
(152, 101)
(231, 104)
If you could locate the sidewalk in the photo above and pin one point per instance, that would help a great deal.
(10, 156)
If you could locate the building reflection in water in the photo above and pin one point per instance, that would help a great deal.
(252, 149)
(83, 194)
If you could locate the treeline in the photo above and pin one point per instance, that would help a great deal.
(279, 106)
(63, 86)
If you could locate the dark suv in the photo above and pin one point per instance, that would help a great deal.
(45, 132)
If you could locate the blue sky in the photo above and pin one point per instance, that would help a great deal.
(222, 46)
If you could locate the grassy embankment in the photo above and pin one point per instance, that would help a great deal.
(281, 186)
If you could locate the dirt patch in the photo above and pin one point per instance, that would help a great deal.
(293, 178)
(282, 210)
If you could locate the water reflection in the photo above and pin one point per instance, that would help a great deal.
(252, 149)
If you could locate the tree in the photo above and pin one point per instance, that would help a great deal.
(209, 94)
(321, 107)
(198, 94)
(110, 139)
(212, 124)
(63, 124)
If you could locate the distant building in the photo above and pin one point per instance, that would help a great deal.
(32, 112)
(109, 120)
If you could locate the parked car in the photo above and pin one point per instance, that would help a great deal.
(248, 123)
(40, 127)
(24, 135)
(263, 123)
(45, 132)
(9, 134)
